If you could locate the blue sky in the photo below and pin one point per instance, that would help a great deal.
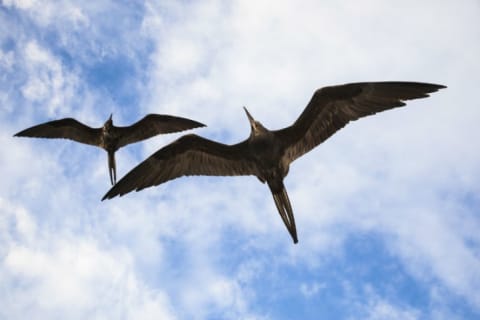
(387, 210)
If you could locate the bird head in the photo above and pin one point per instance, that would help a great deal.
(109, 121)
(256, 126)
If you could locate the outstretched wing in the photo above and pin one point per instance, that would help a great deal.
(154, 124)
(189, 155)
(67, 128)
(331, 108)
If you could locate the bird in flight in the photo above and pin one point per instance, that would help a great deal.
(110, 137)
(267, 154)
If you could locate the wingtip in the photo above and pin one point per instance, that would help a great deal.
(195, 124)
(429, 86)
(439, 86)
(112, 193)
(108, 196)
(434, 88)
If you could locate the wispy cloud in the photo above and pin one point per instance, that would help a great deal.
(47, 83)
(57, 275)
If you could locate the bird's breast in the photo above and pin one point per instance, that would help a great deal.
(109, 141)
(264, 147)
(267, 154)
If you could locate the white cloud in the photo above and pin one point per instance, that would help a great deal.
(22, 4)
(48, 83)
(6, 59)
(367, 303)
(66, 275)
(46, 12)
(311, 289)
(380, 310)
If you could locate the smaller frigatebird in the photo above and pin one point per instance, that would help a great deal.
(267, 154)
(109, 137)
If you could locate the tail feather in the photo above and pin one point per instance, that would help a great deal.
(112, 168)
(284, 208)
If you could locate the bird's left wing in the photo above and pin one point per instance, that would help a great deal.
(154, 124)
(187, 156)
(331, 108)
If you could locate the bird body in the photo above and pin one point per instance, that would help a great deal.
(267, 154)
(267, 150)
(110, 137)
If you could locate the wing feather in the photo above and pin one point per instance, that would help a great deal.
(154, 124)
(187, 156)
(67, 128)
(331, 108)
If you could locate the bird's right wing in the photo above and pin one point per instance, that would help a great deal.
(67, 128)
(187, 156)
(154, 124)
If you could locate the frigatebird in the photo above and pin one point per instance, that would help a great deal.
(110, 137)
(267, 154)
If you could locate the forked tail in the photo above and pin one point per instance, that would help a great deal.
(282, 202)
(112, 168)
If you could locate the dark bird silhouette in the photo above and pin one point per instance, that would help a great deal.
(267, 154)
(110, 137)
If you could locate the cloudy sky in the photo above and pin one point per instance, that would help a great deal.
(387, 210)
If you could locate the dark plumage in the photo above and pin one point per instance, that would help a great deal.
(110, 137)
(267, 154)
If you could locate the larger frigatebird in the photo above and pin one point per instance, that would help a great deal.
(267, 154)
(110, 137)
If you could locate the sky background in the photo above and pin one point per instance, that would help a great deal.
(387, 210)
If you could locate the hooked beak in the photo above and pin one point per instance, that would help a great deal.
(250, 118)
